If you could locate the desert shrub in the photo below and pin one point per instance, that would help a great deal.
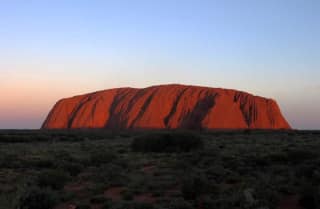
(247, 131)
(142, 205)
(14, 139)
(101, 156)
(194, 185)
(293, 156)
(233, 178)
(277, 157)
(83, 206)
(207, 203)
(301, 155)
(65, 138)
(70, 138)
(305, 170)
(218, 172)
(98, 199)
(63, 160)
(63, 155)
(33, 197)
(309, 196)
(166, 142)
(179, 204)
(54, 179)
(128, 205)
(6, 200)
(39, 163)
(9, 161)
(23, 137)
(127, 195)
(111, 174)
(71, 167)
(261, 160)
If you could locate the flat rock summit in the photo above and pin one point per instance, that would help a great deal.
(166, 107)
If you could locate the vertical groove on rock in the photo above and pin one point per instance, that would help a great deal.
(133, 100)
(114, 120)
(241, 99)
(143, 108)
(270, 113)
(174, 107)
(94, 107)
(76, 110)
(194, 118)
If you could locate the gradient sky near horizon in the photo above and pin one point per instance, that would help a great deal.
(59, 48)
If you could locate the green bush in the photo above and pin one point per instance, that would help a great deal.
(193, 186)
(128, 205)
(142, 205)
(54, 179)
(208, 203)
(9, 161)
(106, 205)
(33, 197)
(23, 138)
(83, 206)
(101, 156)
(98, 200)
(72, 168)
(309, 196)
(39, 163)
(293, 156)
(127, 195)
(179, 204)
(301, 155)
(166, 142)
(109, 174)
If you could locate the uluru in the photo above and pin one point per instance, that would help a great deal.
(166, 107)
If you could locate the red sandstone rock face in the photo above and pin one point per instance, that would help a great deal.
(166, 107)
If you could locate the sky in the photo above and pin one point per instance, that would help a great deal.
(60, 48)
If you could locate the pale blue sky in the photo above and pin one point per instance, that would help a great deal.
(54, 49)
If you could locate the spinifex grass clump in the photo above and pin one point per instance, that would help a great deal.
(167, 142)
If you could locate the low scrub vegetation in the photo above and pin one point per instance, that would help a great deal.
(54, 179)
(167, 142)
(159, 170)
(33, 197)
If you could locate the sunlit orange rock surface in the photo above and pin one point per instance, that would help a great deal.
(166, 107)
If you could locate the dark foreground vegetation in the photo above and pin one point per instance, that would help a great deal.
(160, 170)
